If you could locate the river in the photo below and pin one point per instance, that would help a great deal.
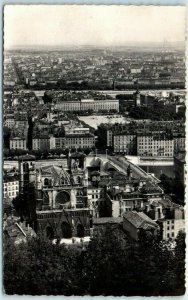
(158, 170)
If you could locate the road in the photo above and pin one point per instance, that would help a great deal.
(8, 164)
(122, 164)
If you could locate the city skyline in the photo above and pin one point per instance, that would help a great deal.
(59, 25)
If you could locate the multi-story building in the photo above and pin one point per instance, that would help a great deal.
(95, 197)
(9, 121)
(41, 143)
(18, 143)
(179, 142)
(172, 224)
(88, 104)
(125, 143)
(68, 106)
(81, 141)
(154, 145)
(10, 188)
(57, 142)
(105, 105)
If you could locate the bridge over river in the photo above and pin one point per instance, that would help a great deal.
(151, 161)
(119, 162)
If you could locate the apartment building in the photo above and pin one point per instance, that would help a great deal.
(10, 188)
(77, 141)
(9, 121)
(172, 224)
(18, 143)
(41, 143)
(125, 143)
(154, 145)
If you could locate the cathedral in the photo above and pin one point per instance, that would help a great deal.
(68, 198)
(62, 208)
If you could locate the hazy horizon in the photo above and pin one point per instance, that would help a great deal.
(92, 25)
(127, 44)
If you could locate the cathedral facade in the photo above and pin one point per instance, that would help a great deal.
(62, 208)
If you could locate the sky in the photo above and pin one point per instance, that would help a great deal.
(98, 25)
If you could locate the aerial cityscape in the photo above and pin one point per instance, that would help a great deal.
(94, 155)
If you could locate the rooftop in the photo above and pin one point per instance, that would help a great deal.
(138, 219)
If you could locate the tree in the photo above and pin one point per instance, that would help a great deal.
(116, 265)
(104, 262)
(40, 268)
(179, 264)
(112, 264)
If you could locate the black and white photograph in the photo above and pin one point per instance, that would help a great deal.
(93, 193)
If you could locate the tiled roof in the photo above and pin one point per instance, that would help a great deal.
(138, 219)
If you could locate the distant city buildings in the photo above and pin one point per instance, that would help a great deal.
(143, 139)
(88, 105)
(80, 194)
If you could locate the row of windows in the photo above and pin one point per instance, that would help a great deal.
(23, 147)
(158, 154)
(128, 209)
(171, 221)
(131, 202)
(168, 227)
(124, 138)
(79, 143)
(74, 140)
(95, 196)
(11, 188)
(86, 107)
(155, 148)
(10, 194)
(11, 183)
(170, 235)
(18, 143)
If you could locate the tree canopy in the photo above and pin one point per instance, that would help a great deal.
(112, 264)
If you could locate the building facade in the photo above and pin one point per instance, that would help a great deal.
(125, 143)
(41, 143)
(18, 143)
(151, 145)
(88, 104)
(79, 141)
(10, 188)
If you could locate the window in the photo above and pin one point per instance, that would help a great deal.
(172, 234)
(168, 227)
(168, 235)
(46, 181)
